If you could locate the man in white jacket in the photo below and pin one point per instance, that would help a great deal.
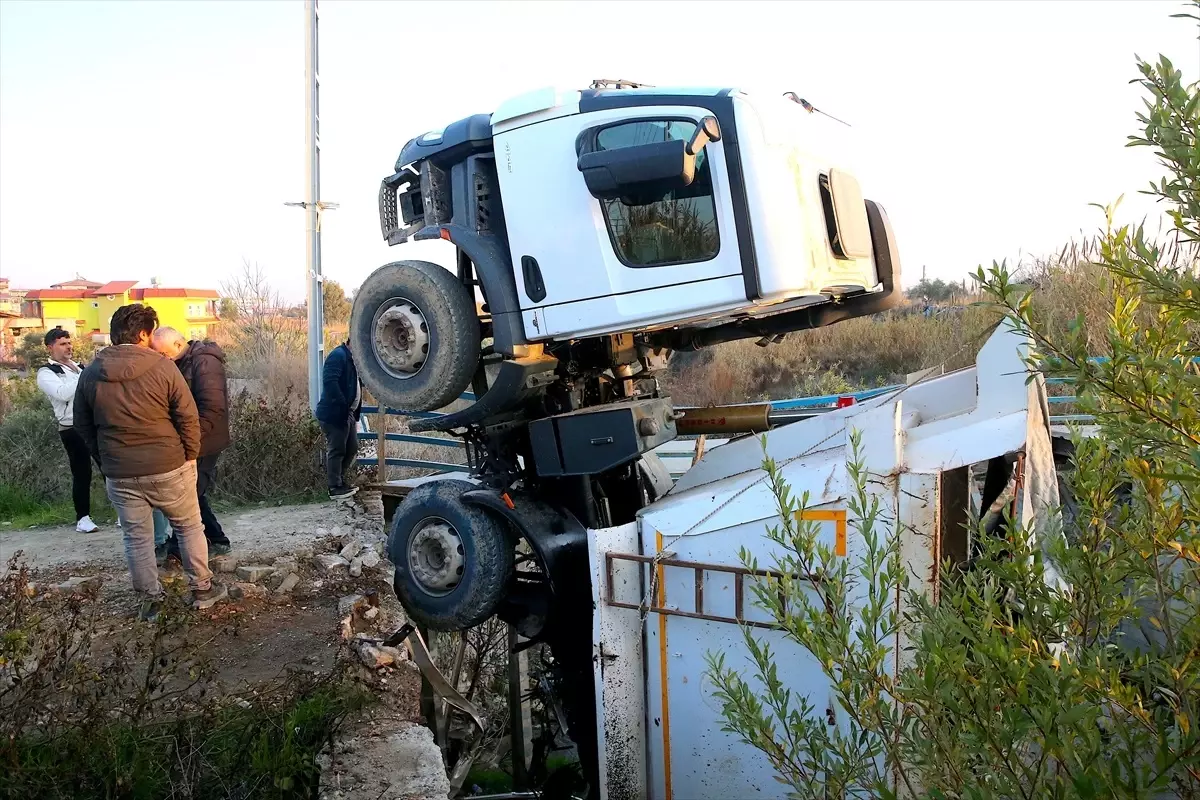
(57, 379)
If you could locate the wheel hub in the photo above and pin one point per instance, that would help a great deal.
(401, 338)
(435, 556)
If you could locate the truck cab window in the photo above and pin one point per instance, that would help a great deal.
(678, 228)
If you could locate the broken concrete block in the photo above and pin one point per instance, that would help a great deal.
(245, 591)
(225, 563)
(347, 603)
(353, 547)
(288, 584)
(285, 564)
(356, 567)
(330, 563)
(79, 584)
(377, 655)
(254, 573)
(370, 559)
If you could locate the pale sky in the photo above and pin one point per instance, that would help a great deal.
(154, 138)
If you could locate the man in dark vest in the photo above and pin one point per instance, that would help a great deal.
(338, 412)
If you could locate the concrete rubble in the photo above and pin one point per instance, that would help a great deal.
(227, 563)
(405, 764)
(289, 583)
(254, 573)
(330, 563)
(247, 591)
(352, 548)
(78, 585)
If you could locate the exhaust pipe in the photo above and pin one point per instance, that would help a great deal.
(755, 418)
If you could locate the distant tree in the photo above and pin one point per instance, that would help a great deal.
(933, 291)
(260, 334)
(228, 309)
(32, 350)
(336, 304)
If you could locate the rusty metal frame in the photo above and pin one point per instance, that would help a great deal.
(658, 599)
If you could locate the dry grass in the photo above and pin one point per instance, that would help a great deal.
(1070, 288)
(855, 354)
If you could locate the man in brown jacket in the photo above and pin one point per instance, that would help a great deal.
(134, 411)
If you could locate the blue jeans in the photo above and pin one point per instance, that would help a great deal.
(161, 528)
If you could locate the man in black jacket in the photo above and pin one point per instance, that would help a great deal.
(338, 412)
(203, 366)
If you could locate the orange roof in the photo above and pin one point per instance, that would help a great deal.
(56, 294)
(150, 294)
(114, 287)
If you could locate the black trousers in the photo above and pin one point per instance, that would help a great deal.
(81, 471)
(341, 448)
(206, 473)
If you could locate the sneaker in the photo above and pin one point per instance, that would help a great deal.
(151, 608)
(207, 598)
(342, 492)
(118, 522)
(85, 525)
(219, 548)
(160, 554)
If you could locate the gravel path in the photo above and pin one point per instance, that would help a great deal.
(258, 532)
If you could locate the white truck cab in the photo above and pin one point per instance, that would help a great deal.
(674, 217)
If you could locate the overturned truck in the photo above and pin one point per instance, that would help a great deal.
(596, 233)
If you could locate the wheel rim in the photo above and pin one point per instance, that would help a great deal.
(400, 336)
(436, 558)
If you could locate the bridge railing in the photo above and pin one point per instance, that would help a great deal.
(676, 454)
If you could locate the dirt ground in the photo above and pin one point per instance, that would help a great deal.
(267, 630)
(260, 532)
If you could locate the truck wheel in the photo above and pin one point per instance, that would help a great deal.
(453, 561)
(415, 335)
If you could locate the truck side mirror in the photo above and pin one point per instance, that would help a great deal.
(644, 170)
(644, 173)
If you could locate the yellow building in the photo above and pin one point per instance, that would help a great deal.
(85, 308)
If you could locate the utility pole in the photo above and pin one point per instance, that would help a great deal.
(313, 206)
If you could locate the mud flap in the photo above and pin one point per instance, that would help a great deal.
(517, 381)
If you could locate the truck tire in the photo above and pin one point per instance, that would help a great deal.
(453, 561)
(415, 336)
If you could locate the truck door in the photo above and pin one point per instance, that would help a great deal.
(585, 249)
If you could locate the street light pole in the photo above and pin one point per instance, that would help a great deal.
(312, 209)
(313, 206)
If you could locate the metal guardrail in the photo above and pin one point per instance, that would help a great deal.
(670, 454)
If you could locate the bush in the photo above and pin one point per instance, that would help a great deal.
(32, 458)
(276, 451)
(276, 454)
(1014, 687)
(89, 714)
